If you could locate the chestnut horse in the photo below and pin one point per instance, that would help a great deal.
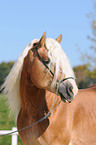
(40, 78)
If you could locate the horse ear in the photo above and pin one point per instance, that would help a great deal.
(59, 38)
(42, 40)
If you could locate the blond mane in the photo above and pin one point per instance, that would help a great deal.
(12, 82)
(59, 60)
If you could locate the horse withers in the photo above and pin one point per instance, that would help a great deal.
(40, 78)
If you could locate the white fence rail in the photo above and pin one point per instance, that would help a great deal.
(14, 135)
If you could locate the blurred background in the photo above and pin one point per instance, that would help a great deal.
(22, 21)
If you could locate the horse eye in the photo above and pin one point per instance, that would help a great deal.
(47, 61)
(35, 44)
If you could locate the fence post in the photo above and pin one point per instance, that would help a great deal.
(14, 136)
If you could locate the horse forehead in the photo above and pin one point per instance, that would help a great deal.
(42, 49)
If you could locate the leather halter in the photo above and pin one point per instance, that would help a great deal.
(50, 70)
(57, 82)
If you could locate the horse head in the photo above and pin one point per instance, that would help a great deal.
(49, 68)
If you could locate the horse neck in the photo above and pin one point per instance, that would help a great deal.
(33, 99)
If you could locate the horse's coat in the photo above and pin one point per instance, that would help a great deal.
(32, 95)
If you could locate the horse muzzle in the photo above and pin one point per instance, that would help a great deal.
(65, 90)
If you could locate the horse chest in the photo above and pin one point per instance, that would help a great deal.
(56, 134)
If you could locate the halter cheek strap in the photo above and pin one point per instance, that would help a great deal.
(44, 63)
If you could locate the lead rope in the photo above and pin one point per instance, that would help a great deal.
(47, 115)
(50, 111)
(40, 120)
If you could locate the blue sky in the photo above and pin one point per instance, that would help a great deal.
(22, 21)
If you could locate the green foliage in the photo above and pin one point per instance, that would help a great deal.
(4, 70)
(6, 123)
(85, 77)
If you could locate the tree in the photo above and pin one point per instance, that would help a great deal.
(84, 76)
(90, 57)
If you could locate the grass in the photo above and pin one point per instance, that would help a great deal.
(6, 123)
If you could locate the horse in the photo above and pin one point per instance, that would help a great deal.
(42, 93)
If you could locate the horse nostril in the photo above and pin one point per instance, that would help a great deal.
(69, 90)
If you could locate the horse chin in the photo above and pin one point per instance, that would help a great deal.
(65, 99)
